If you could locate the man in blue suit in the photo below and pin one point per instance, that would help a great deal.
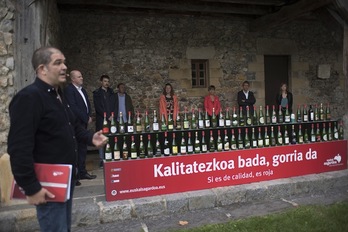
(78, 100)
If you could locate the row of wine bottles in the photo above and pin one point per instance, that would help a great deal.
(175, 143)
(196, 120)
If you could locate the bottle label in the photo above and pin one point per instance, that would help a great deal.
(262, 120)
(207, 123)
(130, 129)
(286, 140)
(186, 125)
(221, 122)
(219, 146)
(175, 150)
(313, 138)
(200, 123)
(305, 118)
(226, 146)
(121, 129)
(204, 148)
(197, 149)
(325, 137)
(183, 150)
(149, 153)
(287, 118)
(280, 141)
(105, 130)
(108, 156)
(117, 155)
(234, 146)
(134, 155)
(166, 151)
(189, 148)
(113, 129)
(170, 126)
(266, 142)
(249, 121)
(228, 122)
(155, 126)
(254, 143)
(125, 155)
(260, 142)
(138, 128)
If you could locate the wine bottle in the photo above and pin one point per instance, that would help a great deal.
(305, 114)
(125, 154)
(280, 114)
(253, 138)
(170, 122)
(122, 127)
(226, 142)
(273, 139)
(183, 147)
(318, 134)
(227, 118)
(166, 150)
(246, 139)
(255, 119)
(293, 135)
(298, 114)
(189, 144)
(158, 150)
(321, 112)
(149, 148)
(138, 126)
(206, 120)
(130, 127)
(327, 112)
(204, 144)
(219, 142)
(193, 120)
(335, 131)
(241, 117)
(134, 153)
(186, 121)
(141, 148)
(312, 134)
(200, 119)
(113, 127)
(287, 118)
(260, 139)
(316, 113)
(163, 123)
(274, 115)
(147, 122)
(116, 152)
(329, 133)
(240, 140)
(286, 136)
(108, 153)
(248, 118)
(221, 119)
(300, 135)
(279, 137)
(197, 143)
(178, 121)
(310, 114)
(174, 146)
(261, 117)
(155, 126)
(305, 136)
(233, 141)
(268, 116)
(211, 142)
(341, 131)
(105, 125)
(324, 133)
(234, 117)
(213, 119)
(266, 138)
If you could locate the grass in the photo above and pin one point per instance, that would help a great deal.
(328, 218)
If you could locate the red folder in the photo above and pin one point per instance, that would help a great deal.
(56, 178)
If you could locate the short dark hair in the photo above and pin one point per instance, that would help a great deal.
(211, 87)
(246, 82)
(104, 76)
(42, 56)
(118, 86)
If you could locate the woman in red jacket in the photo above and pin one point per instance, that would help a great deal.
(212, 101)
(168, 103)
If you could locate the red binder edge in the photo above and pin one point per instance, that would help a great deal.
(56, 178)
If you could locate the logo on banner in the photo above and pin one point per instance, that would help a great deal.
(335, 161)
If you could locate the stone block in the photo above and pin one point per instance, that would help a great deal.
(86, 214)
(148, 207)
(299, 66)
(201, 199)
(215, 73)
(256, 67)
(230, 195)
(176, 202)
(114, 211)
(200, 52)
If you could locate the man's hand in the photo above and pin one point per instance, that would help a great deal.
(99, 140)
(40, 197)
(89, 120)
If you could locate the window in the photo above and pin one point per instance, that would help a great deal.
(199, 73)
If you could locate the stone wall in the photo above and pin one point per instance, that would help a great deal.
(146, 51)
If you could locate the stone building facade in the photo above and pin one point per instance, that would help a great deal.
(145, 51)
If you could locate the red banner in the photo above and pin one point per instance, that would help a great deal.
(148, 177)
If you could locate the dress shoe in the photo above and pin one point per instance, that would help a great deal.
(78, 183)
(87, 176)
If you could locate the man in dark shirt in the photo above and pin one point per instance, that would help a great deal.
(47, 134)
(246, 98)
(77, 98)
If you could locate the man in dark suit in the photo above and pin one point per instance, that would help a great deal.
(78, 100)
(246, 98)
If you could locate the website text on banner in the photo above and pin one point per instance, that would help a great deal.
(149, 177)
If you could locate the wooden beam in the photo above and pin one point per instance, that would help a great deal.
(250, 2)
(287, 14)
(187, 6)
(342, 8)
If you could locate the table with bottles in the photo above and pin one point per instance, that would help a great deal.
(195, 132)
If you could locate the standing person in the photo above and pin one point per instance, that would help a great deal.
(246, 98)
(123, 103)
(104, 102)
(212, 101)
(284, 98)
(79, 103)
(168, 103)
(47, 135)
